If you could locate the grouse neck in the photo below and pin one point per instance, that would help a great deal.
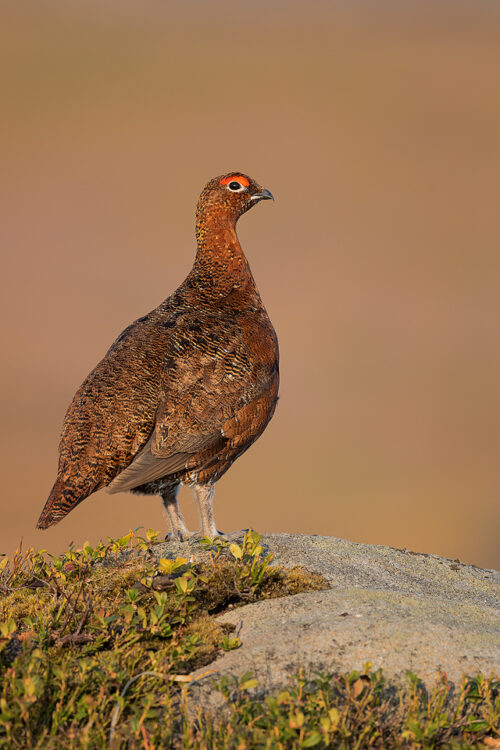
(220, 261)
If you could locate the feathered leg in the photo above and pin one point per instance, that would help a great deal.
(179, 530)
(204, 494)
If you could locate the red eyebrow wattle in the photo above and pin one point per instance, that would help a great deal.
(237, 178)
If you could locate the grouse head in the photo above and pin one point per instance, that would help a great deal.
(230, 195)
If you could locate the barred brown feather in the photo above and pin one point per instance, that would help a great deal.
(184, 390)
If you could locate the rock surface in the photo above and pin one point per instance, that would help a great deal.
(398, 609)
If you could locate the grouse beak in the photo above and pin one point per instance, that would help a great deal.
(264, 195)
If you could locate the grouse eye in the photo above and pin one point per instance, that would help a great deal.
(236, 187)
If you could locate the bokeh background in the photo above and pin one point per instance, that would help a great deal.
(377, 127)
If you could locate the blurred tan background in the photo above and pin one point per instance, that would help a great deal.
(377, 127)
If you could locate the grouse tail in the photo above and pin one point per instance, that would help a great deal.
(62, 499)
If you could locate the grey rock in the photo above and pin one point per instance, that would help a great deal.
(397, 609)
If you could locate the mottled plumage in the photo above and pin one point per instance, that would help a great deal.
(184, 390)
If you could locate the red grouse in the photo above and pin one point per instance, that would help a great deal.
(184, 390)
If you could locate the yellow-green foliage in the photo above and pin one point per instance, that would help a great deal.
(75, 629)
(356, 710)
(96, 646)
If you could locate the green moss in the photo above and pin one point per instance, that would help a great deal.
(24, 603)
(75, 629)
(289, 581)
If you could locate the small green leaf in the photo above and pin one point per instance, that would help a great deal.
(228, 644)
(182, 585)
(165, 566)
(132, 595)
(296, 720)
(313, 739)
(236, 551)
(249, 684)
(476, 725)
(8, 627)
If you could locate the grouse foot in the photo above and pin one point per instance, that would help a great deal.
(234, 536)
(179, 536)
(231, 536)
